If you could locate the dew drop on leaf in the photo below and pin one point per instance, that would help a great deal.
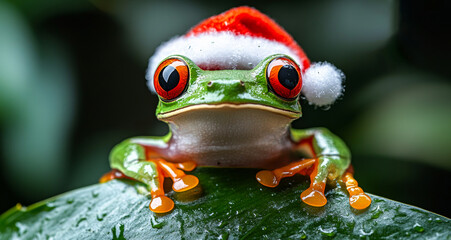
(95, 194)
(118, 234)
(303, 235)
(101, 216)
(418, 228)
(156, 224)
(330, 232)
(81, 220)
(22, 229)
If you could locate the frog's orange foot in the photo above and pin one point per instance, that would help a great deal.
(357, 198)
(181, 181)
(161, 204)
(314, 195)
(185, 183)
(272, 178)
(267, 178)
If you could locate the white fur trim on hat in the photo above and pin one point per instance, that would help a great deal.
(322, 83)
(219, 49)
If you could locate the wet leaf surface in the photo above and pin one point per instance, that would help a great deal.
(230, 204)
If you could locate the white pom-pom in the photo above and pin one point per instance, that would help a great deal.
(322, 83)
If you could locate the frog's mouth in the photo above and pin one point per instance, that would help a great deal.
(228, 134)
(286, 113)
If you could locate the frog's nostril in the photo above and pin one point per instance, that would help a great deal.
(223, 84)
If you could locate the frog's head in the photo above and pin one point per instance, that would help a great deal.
(239, 59)
(273, 85)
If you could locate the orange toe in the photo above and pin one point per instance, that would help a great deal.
(357, 198)
(267, 178)
(161, 204)
(187, 166)
(106, 177)
(185, 183)
(313, 197)
(113, 174)
(360, 201)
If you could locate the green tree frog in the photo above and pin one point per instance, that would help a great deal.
(236, 117)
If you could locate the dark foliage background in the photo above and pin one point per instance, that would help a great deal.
(72, 85)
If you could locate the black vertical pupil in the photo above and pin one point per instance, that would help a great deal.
(288, 76)
(168, 78)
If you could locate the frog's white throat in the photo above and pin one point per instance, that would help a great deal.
(230, 135)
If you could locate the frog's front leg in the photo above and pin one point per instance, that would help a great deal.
(330, 160)
(137, 159)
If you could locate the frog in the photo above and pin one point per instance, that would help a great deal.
(236, 117)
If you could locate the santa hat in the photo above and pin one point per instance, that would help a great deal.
(239, 39)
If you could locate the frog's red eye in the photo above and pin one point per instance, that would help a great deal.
(284, 78)
(171, 78)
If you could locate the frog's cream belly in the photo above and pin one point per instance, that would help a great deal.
(229, 135)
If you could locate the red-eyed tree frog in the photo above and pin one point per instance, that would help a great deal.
(235, 117)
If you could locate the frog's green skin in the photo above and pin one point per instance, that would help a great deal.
(230, 118)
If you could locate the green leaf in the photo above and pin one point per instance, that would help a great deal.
(229, 204)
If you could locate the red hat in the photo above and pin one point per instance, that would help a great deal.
(239, 39)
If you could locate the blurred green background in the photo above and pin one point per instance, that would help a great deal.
(72, 86)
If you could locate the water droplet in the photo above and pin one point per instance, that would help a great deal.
(156, 224)
(51, 205)
(22, 229)
(82, 219)
(438, 220)
(303, 235)
(330, 232)
(264, 228)
(69, 200)
(418, 228)
(95, 194)
(19, 206)
(101, 216)
(221, 224)
(118, 235)
(376, 214)
(366, 232)
(224, 235)
(48, 237)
